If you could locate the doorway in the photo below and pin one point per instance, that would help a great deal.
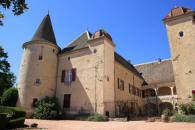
(67, 98)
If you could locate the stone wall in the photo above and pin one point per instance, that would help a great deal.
(182, 52)
(32, 68)
(129, 78)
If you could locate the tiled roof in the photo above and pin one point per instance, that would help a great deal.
(101, 33)
(78, 43)
(126, 64)
(45, 31)
(178, 11)
(157, 72)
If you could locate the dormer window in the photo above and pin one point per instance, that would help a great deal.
(40, 57)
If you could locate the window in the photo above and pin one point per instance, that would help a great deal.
(95, 51)
(40, 57)
(68, 58)
(37, 81)
(120, 84)
(193, 95)
(35, 101)
(63, 76)
(181, 34)
(129, 88)
(134, 90)
(68, 75)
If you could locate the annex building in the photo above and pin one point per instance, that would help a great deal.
(89, 76)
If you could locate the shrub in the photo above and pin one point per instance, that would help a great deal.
(96, 117)
(47, 108)
(184, 118)
(187, 109)
(167, 112)
(10, 97)
(3, 120)
(15, 123)
(15, 112)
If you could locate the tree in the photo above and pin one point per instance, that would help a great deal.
(7, 78)
(18, 7)
(10, 97)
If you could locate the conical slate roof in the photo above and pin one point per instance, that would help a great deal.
(45, 31)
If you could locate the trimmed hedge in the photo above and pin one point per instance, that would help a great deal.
(16, 112)
(10, 97)
(17, 117)
(19, 122)
(3, 121)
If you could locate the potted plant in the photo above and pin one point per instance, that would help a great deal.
(165, 115)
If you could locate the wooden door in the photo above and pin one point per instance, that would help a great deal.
(67, 100)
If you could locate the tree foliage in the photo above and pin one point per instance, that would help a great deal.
(47, 108)
(10, 97)
(7, 78)
(18, 7)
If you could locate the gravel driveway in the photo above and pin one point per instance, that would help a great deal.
(111, 125)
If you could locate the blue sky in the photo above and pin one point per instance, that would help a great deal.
(135, 25)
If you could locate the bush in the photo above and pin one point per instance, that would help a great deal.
(15, 123)
(184, 118)
(10, 97)
(96, 117)
(3, 120)
(187, 109)
(15, 112)
(47, 108)
(167, 112)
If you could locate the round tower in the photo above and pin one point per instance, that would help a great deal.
(38, 70)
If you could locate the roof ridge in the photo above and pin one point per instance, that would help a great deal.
(153, 62)
(135, 71)
(78, 38)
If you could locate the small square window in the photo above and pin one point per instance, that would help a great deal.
(181, 34)
(37, 81)
(40, 57)
(95, 51)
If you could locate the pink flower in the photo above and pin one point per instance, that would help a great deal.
(187, 104)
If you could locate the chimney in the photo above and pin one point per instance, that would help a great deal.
(159, 60)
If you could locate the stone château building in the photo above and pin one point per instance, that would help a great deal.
(89, 76)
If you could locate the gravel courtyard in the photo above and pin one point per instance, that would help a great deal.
(131, 125)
